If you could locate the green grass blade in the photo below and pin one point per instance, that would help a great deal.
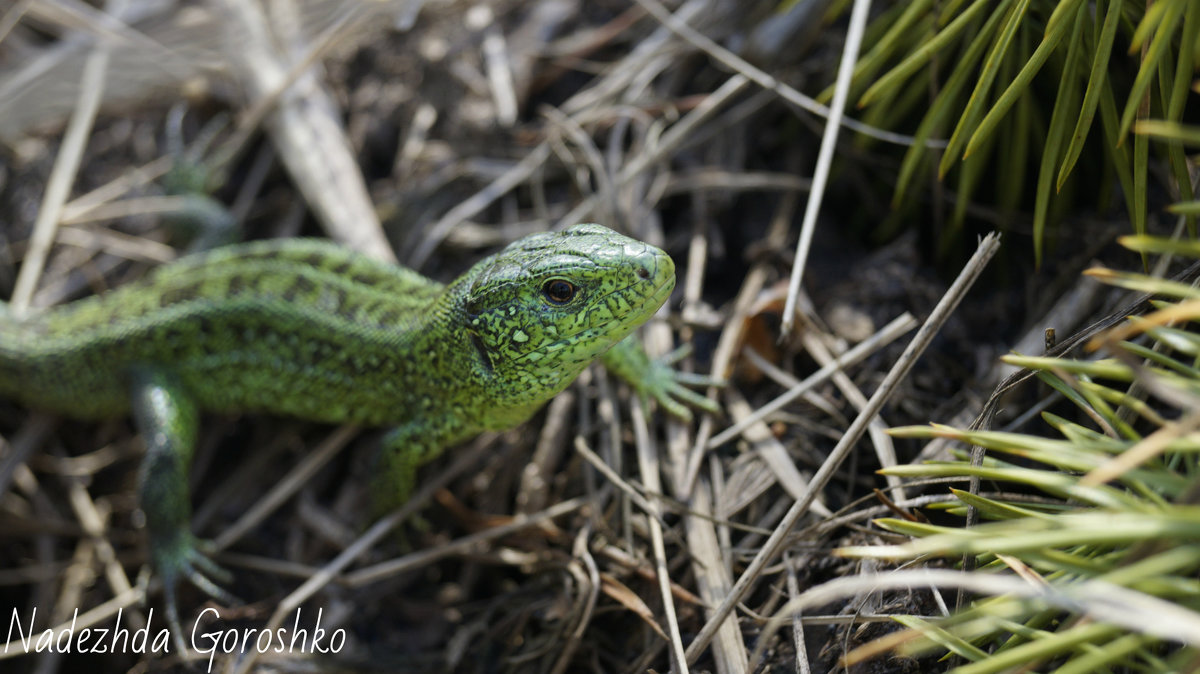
(1118, 155)
(1072, 431)
(1053, 381)
(1158, 244)
(1050, 42)
(940, 636)
(1051, 645)
(1176, 159)
(1195, 39)
(903, 103)
(1144, 283)
(1181, 341)
(943, 105)
(996, 510)
(1141, 172)
(909, 23)
(1155, 11)
(1162, 359)
(899, 75)
(1097, 80)
(1176, 100)
(1100, 529)
(1056, 484)
(969, 177)
(1102, 656)
(1157, 50)
(1123, 399)
(1092, 404)
(1015, 163)
(1169, 131)
(1061, 17)
(1185, 208)
(1060, 121)
(979, 97)
(1180, 559)
(1109, 368)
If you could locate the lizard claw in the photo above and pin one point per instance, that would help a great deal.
(185, 557)
(668, 386)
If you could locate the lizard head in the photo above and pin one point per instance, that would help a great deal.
(547, 305)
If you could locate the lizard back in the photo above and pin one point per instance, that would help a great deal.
(299, 327)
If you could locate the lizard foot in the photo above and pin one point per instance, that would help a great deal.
(185, 557)
(668, 386)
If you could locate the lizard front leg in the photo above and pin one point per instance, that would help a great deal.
(403, 450)
(656, 378)
(167, 418)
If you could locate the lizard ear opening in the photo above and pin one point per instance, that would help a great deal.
(481, 349)
(472, 307)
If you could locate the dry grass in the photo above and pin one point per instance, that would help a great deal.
(595, 537)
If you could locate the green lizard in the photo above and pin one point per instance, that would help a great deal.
(308, 329)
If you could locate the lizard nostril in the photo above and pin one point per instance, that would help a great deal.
(643, 273)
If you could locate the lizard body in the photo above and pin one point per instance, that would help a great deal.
(307, 329)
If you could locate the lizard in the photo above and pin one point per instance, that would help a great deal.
(306, 328)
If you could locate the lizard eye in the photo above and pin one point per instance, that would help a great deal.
(558, 291)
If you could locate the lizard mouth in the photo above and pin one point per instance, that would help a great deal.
(643, 304)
